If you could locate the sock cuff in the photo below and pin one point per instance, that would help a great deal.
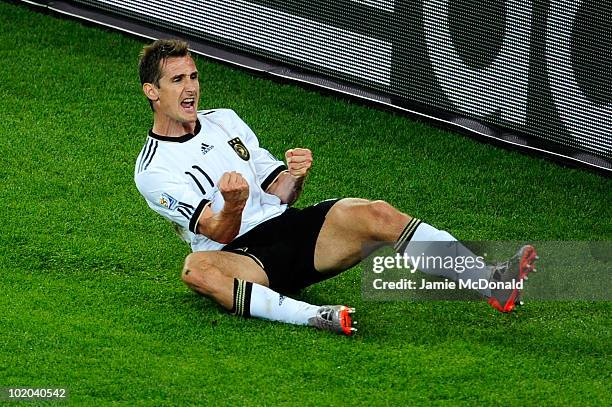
(407, 234)
(242, 298)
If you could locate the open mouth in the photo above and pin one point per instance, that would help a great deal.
(188, 105)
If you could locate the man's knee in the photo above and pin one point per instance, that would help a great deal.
(372, 219)
(381, 210)
(383, 220)
(383, 213)
(194, 262)
(198, 271)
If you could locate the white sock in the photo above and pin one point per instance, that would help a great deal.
(252, 299)
(419, 240)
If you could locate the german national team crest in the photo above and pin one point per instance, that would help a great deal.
(240, 148)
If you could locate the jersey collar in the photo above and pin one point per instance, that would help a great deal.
(180, 139)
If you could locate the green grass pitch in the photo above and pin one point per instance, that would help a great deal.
(90, 294)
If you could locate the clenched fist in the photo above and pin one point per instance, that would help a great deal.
(299, 161)
(234, 189)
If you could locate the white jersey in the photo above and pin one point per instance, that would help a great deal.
(178, 176)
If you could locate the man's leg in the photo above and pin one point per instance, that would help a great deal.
(353, 222)
(212, 274)
(349, 224)
(240, 286)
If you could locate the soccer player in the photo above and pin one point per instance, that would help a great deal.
(230, 199)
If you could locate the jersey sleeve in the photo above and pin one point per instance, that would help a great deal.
(176, 200)
(267, 167)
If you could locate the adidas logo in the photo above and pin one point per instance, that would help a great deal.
(206, 148)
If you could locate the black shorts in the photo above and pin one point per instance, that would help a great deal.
(285, 245)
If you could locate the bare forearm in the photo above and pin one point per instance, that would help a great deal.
(287, 187)
(222, 226)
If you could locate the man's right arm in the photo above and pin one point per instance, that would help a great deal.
(224, 226)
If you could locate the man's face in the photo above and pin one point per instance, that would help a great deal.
(179, 90)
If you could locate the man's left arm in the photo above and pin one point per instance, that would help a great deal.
(289, 184)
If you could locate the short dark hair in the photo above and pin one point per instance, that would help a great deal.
(154, 55)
